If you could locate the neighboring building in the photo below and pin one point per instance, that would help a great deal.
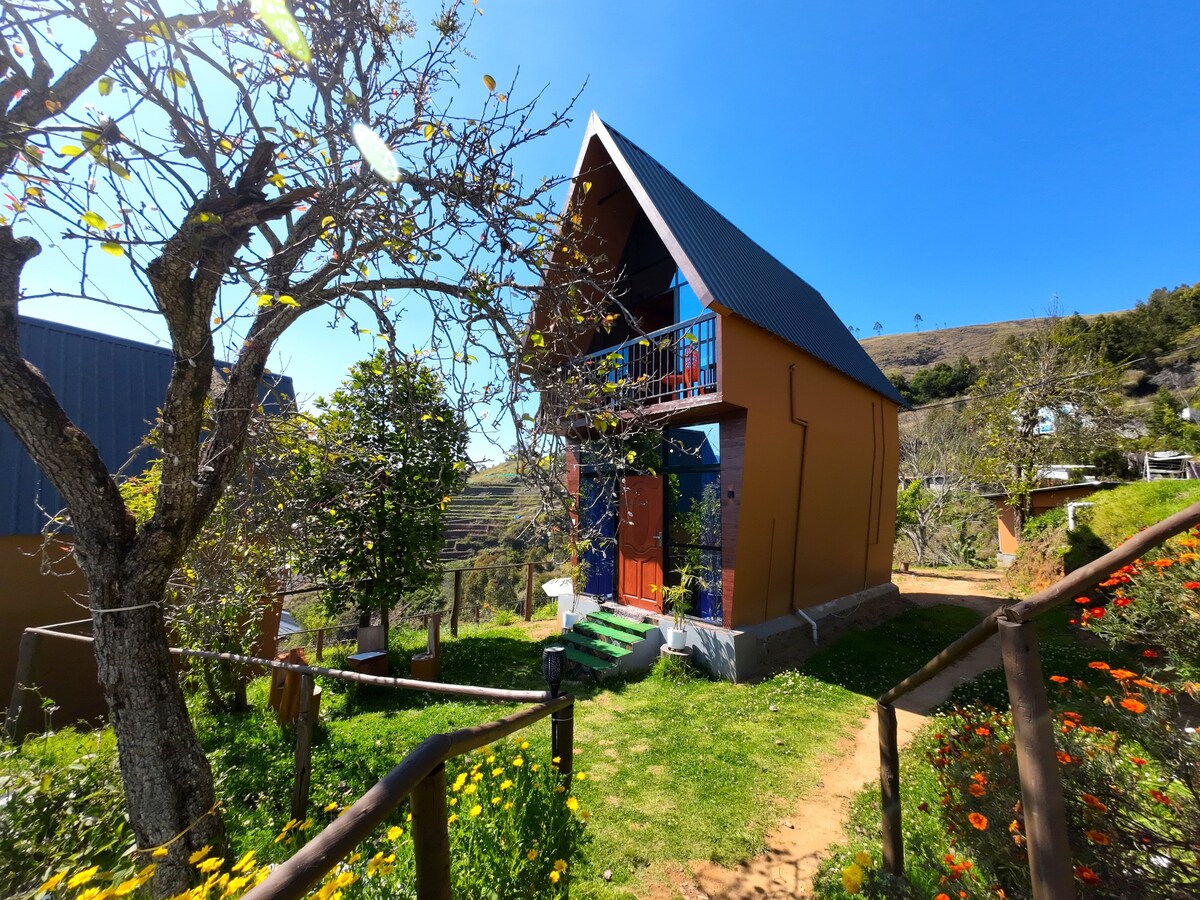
(1042, 500)
(112, 389)
(779, 454)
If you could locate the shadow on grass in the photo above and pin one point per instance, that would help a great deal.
(870, 662)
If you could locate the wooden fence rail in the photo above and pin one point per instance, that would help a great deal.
(1041, 783)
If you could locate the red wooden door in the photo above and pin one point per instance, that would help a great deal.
(639, 541)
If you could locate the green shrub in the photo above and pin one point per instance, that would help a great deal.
(61, 807)
(1117, 514)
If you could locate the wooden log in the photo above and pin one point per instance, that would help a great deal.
(431, 839)
(1037, 764)
(529, 571)
(456, 604)
(304, 728)
(320, 644)
(946, 658)
(22, 707)
(889, 788)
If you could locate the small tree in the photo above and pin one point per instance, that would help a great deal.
(388, 451)
(1043, 399)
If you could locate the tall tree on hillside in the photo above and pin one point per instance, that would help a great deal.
(231, 211)
(388, 451)
(1044, 398)
(877, 328)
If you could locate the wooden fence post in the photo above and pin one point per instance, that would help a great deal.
(1037, 764)
(456, 604)
(562, 740)
(889, 786)
(304, 726)
(529, 567)
(431, 839)
(20, 720)
(320, 643)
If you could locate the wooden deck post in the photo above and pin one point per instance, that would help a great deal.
(431, 839)
(889, 787)
(320, 643)
(562, 740)
(529, 567)
(304, 728)
(456, 604)
(1037, 765)
(20, 720)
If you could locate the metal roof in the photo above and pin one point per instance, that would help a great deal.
(112, 389)
(729, 269)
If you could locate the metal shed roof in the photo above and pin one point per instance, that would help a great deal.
(736, 273)
(111, 388)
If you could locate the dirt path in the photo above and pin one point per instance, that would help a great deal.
(785, 870)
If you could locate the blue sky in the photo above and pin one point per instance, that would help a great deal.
(961, 161)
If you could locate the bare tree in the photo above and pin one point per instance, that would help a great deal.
(209, 151)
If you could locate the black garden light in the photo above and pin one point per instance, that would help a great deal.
(552, 667)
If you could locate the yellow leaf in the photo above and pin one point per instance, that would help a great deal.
(225, 144)
(490, 82)
(429, 130)
(70, 150)
(177, 78)
(265, 299)
(288, 300)
(112, 248)
(105, 85)
(277, 180)
(95, 220)
(282, 24)
(327, 221)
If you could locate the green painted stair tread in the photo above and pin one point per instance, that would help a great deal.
(594, 645)
(588, 661)
(598, 630)
(640, 628)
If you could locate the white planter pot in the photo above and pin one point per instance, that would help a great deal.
(676, 638)
(569, 618)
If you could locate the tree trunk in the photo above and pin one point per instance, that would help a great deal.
(168, 782)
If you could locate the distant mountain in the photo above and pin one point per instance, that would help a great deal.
(908, 353)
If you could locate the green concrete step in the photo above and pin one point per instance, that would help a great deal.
(595, 629)
(588, 661)
(595, 646)
(639, 628)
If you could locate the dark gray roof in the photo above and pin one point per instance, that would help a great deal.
(111, 388)
(740, 275)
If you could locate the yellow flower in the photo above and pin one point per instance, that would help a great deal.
(470, 789)
(534, 767)
(490, 760)
(453, 818)
(460, 781)
(572, 804)
(554, 876)
(560, 865)
(476, 810)
(506, 784)
(211, 864)
(245, 864)
(204, 851)
(518, 762)
(584, 815)
(863, 858)
(495, 801)
(353, 858)
(329, 807)
(556, 760)
(558, 789)
(305, 825)
(81, 878)
(508, 805)
(497, 772)
(454, 801)
(160, 852)
(477, 777)
(852, 878)
(52, 882)
(524, 745)
(394, 832)
(581, 776)
(531, 855)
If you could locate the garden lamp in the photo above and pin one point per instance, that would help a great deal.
(552, 667)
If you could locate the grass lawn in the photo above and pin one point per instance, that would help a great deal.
(678, 769)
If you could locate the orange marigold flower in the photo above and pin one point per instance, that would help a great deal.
(1160, 797)
(1073, 716)
(1059, 679)
(1064, 757)
(1122, 601)
(1014, 826)
(1098, 612)
(983, 731)
(1189, 542)
(942, 897)
(1086, 875)
(1137, 760)
(1098, 665)
(1192, 585)
(1122, 674)
(978, 820)
(1094, 802)
(1098, 837)
(977, 790)
(979, 778)
(1004, 748)
(1137, 707)
(1188, 557)
(1083, 601)
(1163, 563)
(1150, 654)
(1142, 682)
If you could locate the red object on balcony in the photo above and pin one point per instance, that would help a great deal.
(689, 379)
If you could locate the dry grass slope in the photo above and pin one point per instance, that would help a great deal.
(906, 353)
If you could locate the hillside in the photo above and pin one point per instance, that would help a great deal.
(493, 500)
(907, 353)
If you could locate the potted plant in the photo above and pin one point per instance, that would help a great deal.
(679, 596)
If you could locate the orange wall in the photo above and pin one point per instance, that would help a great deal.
(65, 670)
(816, 443)
(1042, 501)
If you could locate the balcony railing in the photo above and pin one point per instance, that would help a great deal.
(669, 364)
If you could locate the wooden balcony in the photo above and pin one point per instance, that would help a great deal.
(673, 363)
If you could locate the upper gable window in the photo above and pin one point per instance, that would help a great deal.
(687, 304)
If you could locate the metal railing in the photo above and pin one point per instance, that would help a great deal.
(1042, 799)
(668, 364)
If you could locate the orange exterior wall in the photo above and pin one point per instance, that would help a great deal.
(65, 671)
(817, 492)
(1042, 501)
